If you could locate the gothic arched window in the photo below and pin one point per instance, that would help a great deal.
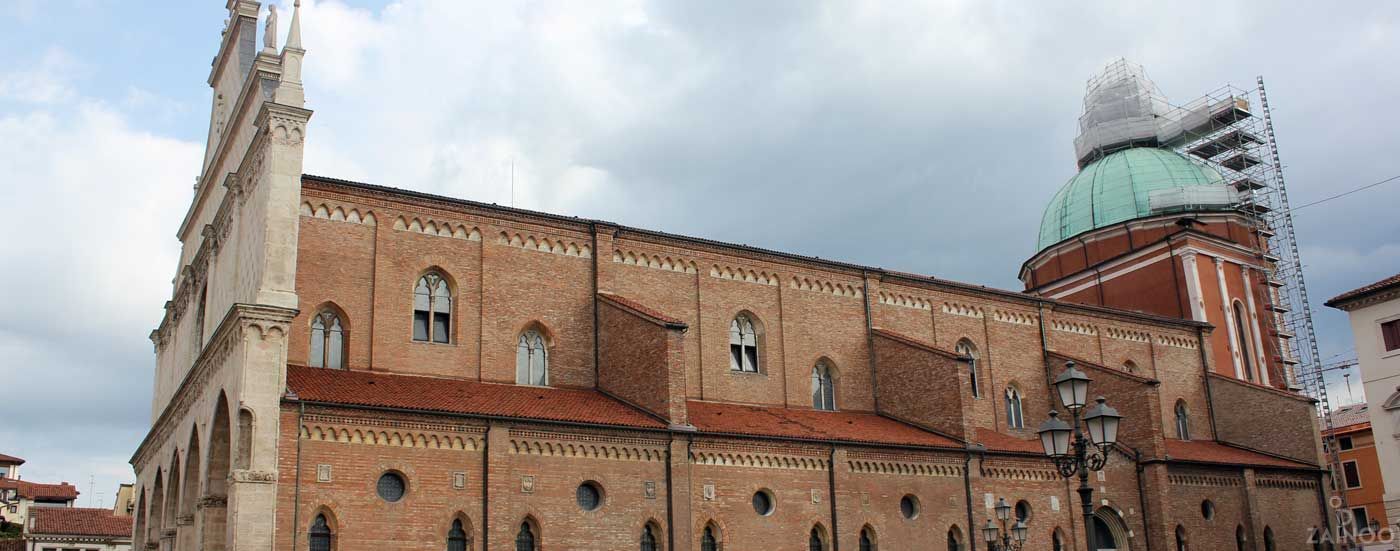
(1239, 537)
(1180, 538)
(648, 538)
(867, 539)
(327, 341)
(525, 538)
(1183, 421)
(955, 539)
(823, 391)
(319, 536)
(531, 359)
(1014, 417)
(1268, 538)
(743, 345)
(1242, 335)
(457, 539)
(966, 349)
(708, 542)
(432, 309)
(814, 540)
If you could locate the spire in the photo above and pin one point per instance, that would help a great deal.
(294, 35)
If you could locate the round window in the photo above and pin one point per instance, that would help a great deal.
(1208, 509)
(1023, 511)
(590, 496)
(909, 506)
(390, 487)
(763, 502)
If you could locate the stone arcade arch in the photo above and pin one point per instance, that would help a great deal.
(214, 518)
(189, 495)
(172, 504)
(157, 514)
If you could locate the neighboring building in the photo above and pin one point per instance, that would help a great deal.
(125, 503)
(347, 366)
(9, 466)
(1375, 327)
(1361, 478)
(18, 497)
(74, 529)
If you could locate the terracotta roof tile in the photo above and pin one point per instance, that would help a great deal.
(74, 521)
(39, 491)
(808, 424)
(643, 310)
(1362, 291)
(1205, 451)
(1346, 416)
(1002, 442)
(463, 397)
(10, 460)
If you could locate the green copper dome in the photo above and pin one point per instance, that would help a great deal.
(1117, 188)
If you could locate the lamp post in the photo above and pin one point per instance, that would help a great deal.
(1003, 538)
(1083, 454)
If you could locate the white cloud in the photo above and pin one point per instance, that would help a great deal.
(90, 203)
(48, 81)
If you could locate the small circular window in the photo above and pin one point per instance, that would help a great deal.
(909, 507)
(763, 502)
(590, 496)
(390, 487)
(1208, 509)
(1023, 511)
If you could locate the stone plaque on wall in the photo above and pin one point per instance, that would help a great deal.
(527, 484)
(323, 473)
(459, 480)
(709, 492)
(649, 489)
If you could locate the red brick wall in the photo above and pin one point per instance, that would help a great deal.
(641, 360)
(921, 385)
(1287, 430)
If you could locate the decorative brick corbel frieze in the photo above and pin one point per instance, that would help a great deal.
(212, 501)
(238, 476)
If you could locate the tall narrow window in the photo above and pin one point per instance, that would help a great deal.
(1390, 335)
(531, 359)
(823, 393)
(743, 345)
(955, 542)
(1351, 476)
(708, 541)
(867, 541)
(1242, 335)
(327, 341)
(814, 540)
(320, 534)
(199, 316)
(1239, 537)
(1268, 538)
(1180, 538)
(1183, 421)
(457, 538)
(1014, 417)
(1057, 542)
(432, 309)
(648, 539)
(968, 351)
(525, 538)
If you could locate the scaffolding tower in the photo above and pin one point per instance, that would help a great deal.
(1224, 130)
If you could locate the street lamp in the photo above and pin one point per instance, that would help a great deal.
(1004, 538)
(1083, 453)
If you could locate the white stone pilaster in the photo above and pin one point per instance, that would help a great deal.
(1229, 318)
(1193, 286)
(1254, 323)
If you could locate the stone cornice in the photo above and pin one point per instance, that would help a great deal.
(211, 360)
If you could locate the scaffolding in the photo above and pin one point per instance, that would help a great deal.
(1224, 131)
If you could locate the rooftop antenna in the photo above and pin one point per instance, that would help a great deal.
(92, 483)
(1347, 378)
(512, 183)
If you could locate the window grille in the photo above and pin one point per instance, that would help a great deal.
(320, 534)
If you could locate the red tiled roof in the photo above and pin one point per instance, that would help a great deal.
(10, 460)
(463, 397)
(643, 310)
(1346, 416)
(74, 521)
(808, 424)
(1205, 451)
(1002, 442)
(38, 491)
(1362, 291)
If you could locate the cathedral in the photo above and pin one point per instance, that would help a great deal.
(347, 366)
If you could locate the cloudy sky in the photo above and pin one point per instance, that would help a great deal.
(924, 136)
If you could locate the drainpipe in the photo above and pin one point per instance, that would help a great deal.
(486, 484)
(972, 532)
(869, 342)
(1205, 372)
(1142, 500)
(296, 493)
(831, 484)
(670, 495)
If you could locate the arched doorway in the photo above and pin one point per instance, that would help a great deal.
(1109, 532)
